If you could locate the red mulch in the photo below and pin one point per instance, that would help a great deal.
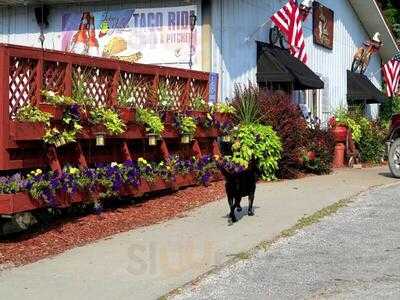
(67, 233)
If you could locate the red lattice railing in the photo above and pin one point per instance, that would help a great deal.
(28, 71)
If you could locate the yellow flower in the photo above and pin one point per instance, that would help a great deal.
(168, 168)
(216, 157)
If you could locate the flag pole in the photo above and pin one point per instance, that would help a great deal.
(248, 38)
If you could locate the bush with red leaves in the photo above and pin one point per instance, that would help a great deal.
(322, 143)
(284, 115)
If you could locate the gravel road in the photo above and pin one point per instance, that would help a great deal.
(354, 254)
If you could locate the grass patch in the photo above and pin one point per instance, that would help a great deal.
(314, 218)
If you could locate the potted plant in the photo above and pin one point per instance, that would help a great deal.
(187, 127)
(107, 118)
(126, 99)
(166, 102)
(223, 112)
(152, 122)
(198, 107)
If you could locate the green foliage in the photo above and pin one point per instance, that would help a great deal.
(187, 125)
(259, 143)
(224, 107)
(387, 109)
(109, 118)
(372, 142)
(128, 92)
(29, 113)
(246, 106)
(349, 119)
(151, 120)
(80, 88)
(166, 100)
(199, 104)
(55, 99)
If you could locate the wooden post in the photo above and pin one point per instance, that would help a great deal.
(196, 150)
(68, 80)
(52, 158)
(38, 82)
(80, 156)
(113, 101)
(4, 113)
(164, 150)
(126, 154)
(154, 91)
(215, 148)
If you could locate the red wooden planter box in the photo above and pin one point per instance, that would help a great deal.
(16, 203)
(57, 111)
(26, 131)
(130, 190)
(197, 114)
(183, 181)
(127, 115)
(207, 132)
(159, 184)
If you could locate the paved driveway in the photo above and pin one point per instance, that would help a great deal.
(353, 254)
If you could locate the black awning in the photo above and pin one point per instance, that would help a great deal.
(275, 64)
(360, 88)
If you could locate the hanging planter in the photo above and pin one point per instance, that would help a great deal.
(186, 138)
(152, 139)
(127, 114)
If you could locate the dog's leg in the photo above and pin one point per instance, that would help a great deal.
(232, 208)
(237, 203)
(251, 210)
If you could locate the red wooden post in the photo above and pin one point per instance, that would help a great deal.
(164, 150)
(4, 98)
(68, 80)
(215, 148)
(113, 101)
(126, 154)
(80, 156)
(184, 99)
(196, 149)
(154, 90)
(52, 158)
(38, 82)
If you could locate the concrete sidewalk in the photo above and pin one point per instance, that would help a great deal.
(148, 262)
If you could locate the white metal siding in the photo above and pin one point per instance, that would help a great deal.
(238, 19)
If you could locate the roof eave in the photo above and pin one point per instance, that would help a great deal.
(373, 21)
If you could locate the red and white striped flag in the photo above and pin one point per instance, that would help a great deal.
(391, 71)
(289, 21)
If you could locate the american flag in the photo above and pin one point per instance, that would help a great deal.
(391, 71)
(289, 21)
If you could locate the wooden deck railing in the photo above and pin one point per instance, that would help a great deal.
(26, 71)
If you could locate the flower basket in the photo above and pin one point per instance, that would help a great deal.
(57, 111)
(158, 184)
(186, 138)
(339, 133)
(152, 139)
(127, 114)
(183, 180)
(133, 191)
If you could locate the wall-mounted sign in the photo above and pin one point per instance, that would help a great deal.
(151, 35)
(323, 25)
(213, 88)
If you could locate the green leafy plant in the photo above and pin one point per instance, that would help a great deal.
(109, 118)
(166, 100)
(372, 142)
(259, 143)
(246, 105)
(199, 104)
(387, 109)
(129, 90)
(80, 88)
(349, 119)
(55, 99)
(151, 120)
(224, 107)
(186, 124)
(29, 113)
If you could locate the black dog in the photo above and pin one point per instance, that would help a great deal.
(238, 185)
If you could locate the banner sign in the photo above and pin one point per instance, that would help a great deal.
(213, 88)
(323, 25)
(152, 36)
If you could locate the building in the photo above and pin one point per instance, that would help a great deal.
(224, 40)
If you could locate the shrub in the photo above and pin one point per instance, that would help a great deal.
(323, 144)
(285, 117)
(387, 109)
(259, 143)
(372, 142)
